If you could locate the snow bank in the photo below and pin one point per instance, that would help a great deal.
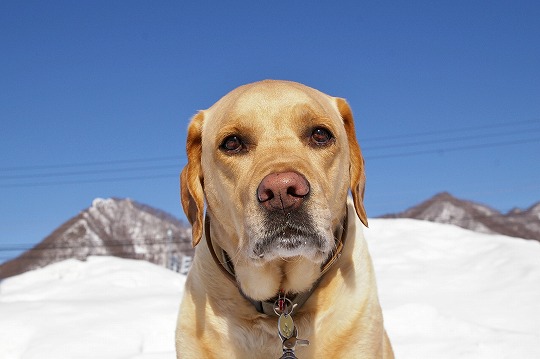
(446, 293)
(103, 308)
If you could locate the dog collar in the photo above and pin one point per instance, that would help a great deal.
(267, 307)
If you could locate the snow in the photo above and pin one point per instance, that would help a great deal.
(446, 293)
(99, 202)
(105, 307)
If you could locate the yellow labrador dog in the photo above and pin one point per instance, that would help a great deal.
(282, 259)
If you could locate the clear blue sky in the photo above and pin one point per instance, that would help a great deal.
(95, 96)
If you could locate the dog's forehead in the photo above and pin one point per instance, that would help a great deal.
(270, 98)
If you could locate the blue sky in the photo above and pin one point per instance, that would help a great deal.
(95, 96)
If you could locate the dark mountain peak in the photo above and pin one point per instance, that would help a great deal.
(443, 196)
(447, 197)
(515, 211)
(534, 210)
(112, 226)
(116, 208)
(445, 208)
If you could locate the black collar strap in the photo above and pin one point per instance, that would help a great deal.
(267, 307)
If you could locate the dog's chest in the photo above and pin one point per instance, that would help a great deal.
(259, 338)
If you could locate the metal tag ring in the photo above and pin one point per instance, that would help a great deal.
(288, 303)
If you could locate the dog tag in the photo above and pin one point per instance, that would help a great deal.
(286, 326)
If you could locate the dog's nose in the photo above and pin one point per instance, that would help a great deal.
(282, 191)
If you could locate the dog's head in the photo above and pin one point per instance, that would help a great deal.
(274, 162)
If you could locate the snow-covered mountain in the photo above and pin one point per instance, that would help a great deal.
(113, 227)
(444, 208)
(446, 293)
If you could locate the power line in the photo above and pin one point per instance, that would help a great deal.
(91, 164)
(368, 157)
(453, 139)
(183, 158)
(100, 180)
(452, 130)
(64, 256)
(90, 172)
(87, 171)
(454, 149)
(159, 241)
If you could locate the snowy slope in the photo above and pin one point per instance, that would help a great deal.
(103, 308)
(446, 293)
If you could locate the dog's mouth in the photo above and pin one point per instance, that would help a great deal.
(289, 235)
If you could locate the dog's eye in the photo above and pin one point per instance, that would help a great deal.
(232, 144)
(321, 136)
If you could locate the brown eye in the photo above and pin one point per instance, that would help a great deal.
(232, 144)
(321, 136)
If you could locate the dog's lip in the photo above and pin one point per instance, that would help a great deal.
(288, 235)
(288, 240)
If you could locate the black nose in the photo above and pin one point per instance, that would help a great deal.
(283, 191)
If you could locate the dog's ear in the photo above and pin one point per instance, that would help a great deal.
(191, 179)
(356, 164)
